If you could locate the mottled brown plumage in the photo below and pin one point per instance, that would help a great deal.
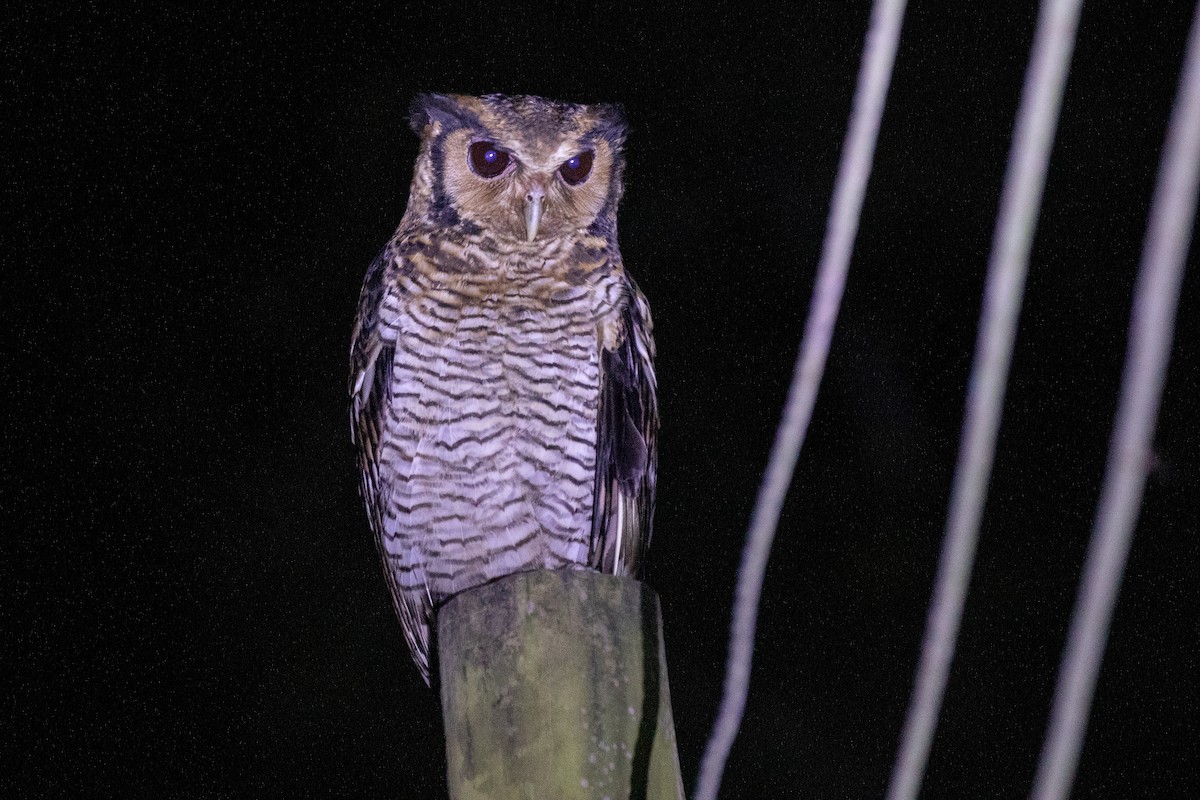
(502, 382)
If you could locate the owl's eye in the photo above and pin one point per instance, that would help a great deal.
(487, 160)
(575, 170)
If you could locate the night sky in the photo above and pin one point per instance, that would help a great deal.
(194, 602)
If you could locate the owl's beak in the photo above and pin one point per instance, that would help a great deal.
(533, 211)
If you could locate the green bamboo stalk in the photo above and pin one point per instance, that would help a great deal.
(554, 685)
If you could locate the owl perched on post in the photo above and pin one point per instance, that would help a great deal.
(501, 371)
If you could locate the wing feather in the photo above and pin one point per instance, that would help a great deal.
(626, 443)
(372, 355)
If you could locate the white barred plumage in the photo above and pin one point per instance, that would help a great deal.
(502, 382)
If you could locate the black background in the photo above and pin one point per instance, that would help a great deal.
(194, 600)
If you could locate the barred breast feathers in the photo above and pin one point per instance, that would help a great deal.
(466, 271)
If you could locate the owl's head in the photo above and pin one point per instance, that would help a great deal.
(519, 167)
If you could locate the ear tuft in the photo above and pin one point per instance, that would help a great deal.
(429, 108)
(612, 122)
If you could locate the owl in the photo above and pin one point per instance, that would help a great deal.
(501, 370)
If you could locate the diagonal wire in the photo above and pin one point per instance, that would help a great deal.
(873, 80)
(1025, 178)
(1151, 329)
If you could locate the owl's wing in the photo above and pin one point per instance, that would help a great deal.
(626, 443)
(371, 349)
(372, 353)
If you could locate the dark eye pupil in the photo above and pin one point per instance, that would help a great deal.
(486, 160)
(576, 169)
